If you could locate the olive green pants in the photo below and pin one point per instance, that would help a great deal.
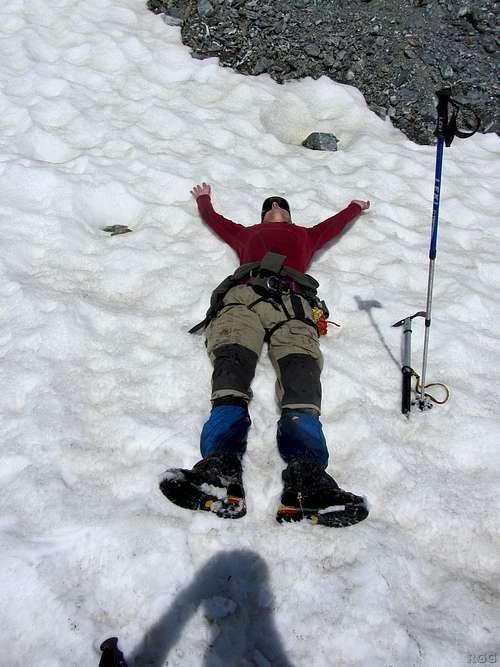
(235, 339)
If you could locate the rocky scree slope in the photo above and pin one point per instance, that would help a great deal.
(396, 52)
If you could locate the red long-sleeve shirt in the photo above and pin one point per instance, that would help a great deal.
(298, 244)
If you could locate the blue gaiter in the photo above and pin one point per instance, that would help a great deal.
(225, 431)
(300, 435)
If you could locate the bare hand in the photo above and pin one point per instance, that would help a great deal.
(198, 190)
(364, 204)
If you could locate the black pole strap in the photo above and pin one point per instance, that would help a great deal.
(446, 127)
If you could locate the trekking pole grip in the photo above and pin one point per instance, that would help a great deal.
(444, 97)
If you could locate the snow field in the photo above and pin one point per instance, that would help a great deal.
(106, 119)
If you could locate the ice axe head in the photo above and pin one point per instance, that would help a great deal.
(421, 313)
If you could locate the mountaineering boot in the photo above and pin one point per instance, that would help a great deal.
(214, 484)
(309, 492)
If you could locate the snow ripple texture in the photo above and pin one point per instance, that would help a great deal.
(106, 119)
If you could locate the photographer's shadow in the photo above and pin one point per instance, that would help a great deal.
(233, 590)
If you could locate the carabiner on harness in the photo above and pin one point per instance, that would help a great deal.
(275, 284)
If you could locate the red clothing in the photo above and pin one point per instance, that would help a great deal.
(298, 243)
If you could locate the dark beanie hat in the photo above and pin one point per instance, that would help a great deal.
(267, 205)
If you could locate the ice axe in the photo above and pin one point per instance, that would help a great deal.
(406, 368)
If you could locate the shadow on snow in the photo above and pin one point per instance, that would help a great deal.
(234, 592)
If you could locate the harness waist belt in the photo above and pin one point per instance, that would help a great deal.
(286, 284)
(270, 274)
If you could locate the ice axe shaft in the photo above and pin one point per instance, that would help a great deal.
(406, 368)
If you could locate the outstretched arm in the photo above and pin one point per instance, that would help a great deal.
(331, 227)
(229, 231)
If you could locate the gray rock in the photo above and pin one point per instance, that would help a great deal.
(409, 53)
(402, 77)
(489, 44)
(466, 11)
(262, 65)
(380, 111)
(408, 96)
(172, 20)
(448, 72)
(313, 50)
(321, 141)
(429, 58)
(205, 8)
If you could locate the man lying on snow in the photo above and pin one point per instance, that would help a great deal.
(268, 299)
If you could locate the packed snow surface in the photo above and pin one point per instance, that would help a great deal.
(106, 119)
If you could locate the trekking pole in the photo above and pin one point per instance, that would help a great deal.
(446, 130)
(442, 122)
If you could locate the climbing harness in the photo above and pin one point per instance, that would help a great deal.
(272, 280)
(446, 131)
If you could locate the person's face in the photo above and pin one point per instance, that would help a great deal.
(277, 214)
